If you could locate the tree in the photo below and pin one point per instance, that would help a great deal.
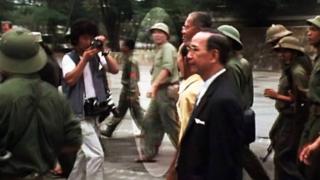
(113, 13)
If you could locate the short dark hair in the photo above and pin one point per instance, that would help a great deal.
(201, 19)
(82, 27)
(222, 44)
(129, 43)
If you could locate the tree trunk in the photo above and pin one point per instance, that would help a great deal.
(111, 20)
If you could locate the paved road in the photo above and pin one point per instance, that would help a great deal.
(121, 150)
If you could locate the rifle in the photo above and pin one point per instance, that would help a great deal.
(269, 151)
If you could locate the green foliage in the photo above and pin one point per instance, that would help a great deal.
(33, 16)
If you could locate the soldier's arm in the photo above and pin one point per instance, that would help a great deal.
(275, 95)
(160, 79)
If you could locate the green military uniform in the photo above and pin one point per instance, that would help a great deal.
(286, 131)
(241, 71)
(36, 121)
(161, 116)
(312, 127)
(36, 124)
(129, 97)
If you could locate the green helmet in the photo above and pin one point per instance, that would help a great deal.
(314, 21)
(232, 33)
(160, 26)
(275, 32)
(289, 42)
(20, 52)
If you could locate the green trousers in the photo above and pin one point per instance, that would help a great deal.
(160, 118)
(128, 100)
(285, 139)
(310, 133)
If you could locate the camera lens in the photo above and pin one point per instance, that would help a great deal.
(96, 43)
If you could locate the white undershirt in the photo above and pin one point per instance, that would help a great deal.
(207, 83)
(68, 65)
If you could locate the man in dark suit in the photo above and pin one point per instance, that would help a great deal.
(211, 147)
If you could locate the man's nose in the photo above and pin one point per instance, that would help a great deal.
(189, 56)
(308, 33)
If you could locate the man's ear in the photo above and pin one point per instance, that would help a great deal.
(215, 55)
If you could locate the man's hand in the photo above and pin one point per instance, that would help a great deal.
(307, 150)
(89, 54)
(152, 92)
(270, 93)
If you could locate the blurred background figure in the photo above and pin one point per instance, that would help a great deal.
(161, 116)
(51, 72)
(6, 26)
(129, 96)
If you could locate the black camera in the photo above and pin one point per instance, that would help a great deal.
(92, 107)
(96, 43)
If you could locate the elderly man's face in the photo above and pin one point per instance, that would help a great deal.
(188, 30)
(199, 57)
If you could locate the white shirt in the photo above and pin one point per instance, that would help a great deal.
(68, 65)
(207, 83)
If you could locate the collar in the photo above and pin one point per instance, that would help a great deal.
(186, 83)
(207, 83)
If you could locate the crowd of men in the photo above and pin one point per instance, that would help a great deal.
(201, 96)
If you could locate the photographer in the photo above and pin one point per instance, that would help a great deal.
(84, 71)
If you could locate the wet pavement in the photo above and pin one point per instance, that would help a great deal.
(123, 147)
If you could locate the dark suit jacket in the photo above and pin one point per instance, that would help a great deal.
(212, 144)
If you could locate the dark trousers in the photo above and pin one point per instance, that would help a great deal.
(253, 166)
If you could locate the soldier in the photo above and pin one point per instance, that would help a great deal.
(241, 71)
(161, 116)
(36, 121)
(312, 127)
(129, 97)
(291, 102)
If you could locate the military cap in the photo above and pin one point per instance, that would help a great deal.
(162, 27)
(232, 33)
(20, 52)
(314, 21)
(289, 42)
(275, 32)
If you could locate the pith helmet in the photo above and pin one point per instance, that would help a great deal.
(38, 36)
(289, 42)
(20, 52)
(160, 26)
(314, 21)
(276, 32)
(232, 33)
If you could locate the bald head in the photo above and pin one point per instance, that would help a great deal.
(208, 53)
(194, 23)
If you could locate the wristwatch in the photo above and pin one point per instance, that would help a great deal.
(106, 53)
